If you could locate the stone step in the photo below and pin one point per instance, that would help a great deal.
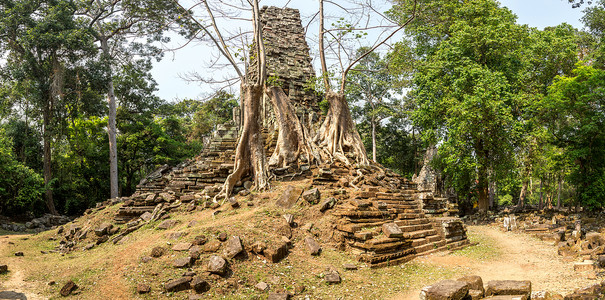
(419, 234)
(376, 259)
(412, 222)
(412, 228)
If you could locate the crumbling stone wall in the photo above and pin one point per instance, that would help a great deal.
(288, 59)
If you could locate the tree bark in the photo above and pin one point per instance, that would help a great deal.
(291, 139)
(540, 202)
(522, 194)
(492, 193)
(250, 155)
(373, 121)
(337, 136)
(482, 191)
(111, 127)
(559, 194)
(46, 133)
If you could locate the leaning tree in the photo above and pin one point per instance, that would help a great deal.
(250, 158)
(337, 137)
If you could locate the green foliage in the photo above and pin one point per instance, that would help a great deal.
(370, 94)
(505, 200)
(82, 176)
(200, 118)
(466, 92)
(21, 188)
(575, 119)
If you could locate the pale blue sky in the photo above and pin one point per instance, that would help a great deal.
(193, 58)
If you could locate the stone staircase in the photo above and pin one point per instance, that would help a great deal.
(195, 179)
(365, 217)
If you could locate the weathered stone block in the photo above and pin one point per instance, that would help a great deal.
(276, 253)
(217, 265)
(474, 282)
(509, 287)
(312, 196)
(233, 247)
(177, 285)
(584, 266)
(391, 230)
(289, 197)
(445, 290)
(313, 247)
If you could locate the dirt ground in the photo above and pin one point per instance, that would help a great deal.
(13, 284)
(519, 257)
(523, 257)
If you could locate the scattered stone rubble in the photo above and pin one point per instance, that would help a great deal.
(471, 287)
(46, 222)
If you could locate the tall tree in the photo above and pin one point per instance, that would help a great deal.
(466, 90)
(369, 90)
(115, 24)
(42, 40)
(337, 137)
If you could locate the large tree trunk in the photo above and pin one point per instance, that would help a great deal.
(523, 193)
(559, 194)
(540, 204)
(46, 133)
(113, 148)
(482, 191)
(373, 139)
(111, 128)
(291, 139)
(492, 193)
(250, 155)
(337, 136)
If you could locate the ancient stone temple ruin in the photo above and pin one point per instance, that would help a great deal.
(376, 213)
(436, 201)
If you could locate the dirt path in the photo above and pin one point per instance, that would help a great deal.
(14, 285)
(522, 258)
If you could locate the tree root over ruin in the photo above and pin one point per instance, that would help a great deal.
(250, 153)
(337, 136)
(292, 143)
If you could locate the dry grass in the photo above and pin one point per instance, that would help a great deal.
(113, 271)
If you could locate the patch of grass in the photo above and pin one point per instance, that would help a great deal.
(484, 250)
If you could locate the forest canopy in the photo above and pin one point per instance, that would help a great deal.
(515, 112)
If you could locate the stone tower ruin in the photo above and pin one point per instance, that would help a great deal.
(374, 213)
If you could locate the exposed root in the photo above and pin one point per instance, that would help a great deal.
(292, 141)
(250, 152)
(337, 136)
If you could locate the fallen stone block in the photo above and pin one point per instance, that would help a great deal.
(177, 285)
(332, 277)
(312, 196)
(445, 290)
(199, 285)
(233, 247)
(276, 253)
(217, 265)
(289, 197)
(143, 288)
(313, 247)
(182, 262)
(183, 246)
(391, 230)
(509, 288)
(474, 283)
(68, 288)
(587, 265)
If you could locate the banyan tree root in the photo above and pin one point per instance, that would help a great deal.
(291, 140)
(337, 136)
(250, 155)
